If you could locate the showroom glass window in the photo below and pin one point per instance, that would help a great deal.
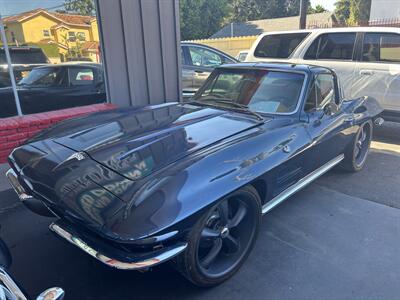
(42, 52)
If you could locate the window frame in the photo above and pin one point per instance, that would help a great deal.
(361, 50)
(80, 33)
(72, 36)
(337, 97)
(223, 57)
(308, 33)
(303, 92)
(69, 83)
(319, 36)
(44, 33)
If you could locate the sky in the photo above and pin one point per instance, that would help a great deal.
(328, 4)
(9, 7)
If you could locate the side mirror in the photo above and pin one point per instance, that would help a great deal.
(330, 109)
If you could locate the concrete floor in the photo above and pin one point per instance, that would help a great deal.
(337, 239)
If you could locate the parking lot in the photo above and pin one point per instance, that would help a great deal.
(337, 239)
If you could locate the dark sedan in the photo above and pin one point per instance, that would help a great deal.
(189, 182)
(54, 87)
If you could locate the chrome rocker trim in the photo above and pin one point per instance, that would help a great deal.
(111, 262)
(301, 184)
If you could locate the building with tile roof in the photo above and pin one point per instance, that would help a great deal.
(74, 35)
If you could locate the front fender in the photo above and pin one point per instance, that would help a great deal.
(173, 199)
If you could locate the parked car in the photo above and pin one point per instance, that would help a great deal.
(10, 290)
(23, 60)
(242, 55)
(55, 87)
(198, 61)
(189, 182)
(366, 60)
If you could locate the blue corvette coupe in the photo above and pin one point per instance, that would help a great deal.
(189, 182)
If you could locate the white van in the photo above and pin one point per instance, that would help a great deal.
(366, 59)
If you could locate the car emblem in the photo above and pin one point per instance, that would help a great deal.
(78, 156)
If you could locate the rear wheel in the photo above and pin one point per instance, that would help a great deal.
(222, 239)
(356, 155)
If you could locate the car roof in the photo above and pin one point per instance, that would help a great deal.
(209, 47)
(21, 47)
(72, 64)
(307, 68)
(337, 29)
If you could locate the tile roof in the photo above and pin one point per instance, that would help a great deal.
(69, 19)
(277, 24)
(90, 45)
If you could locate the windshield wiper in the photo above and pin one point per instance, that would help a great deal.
(228, 101)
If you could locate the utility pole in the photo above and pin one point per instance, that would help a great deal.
(303, 14)
(10, 67)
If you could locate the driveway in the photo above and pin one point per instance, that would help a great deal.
(337, 239)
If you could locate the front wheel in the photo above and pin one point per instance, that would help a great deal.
(222, 239)
(356, 155)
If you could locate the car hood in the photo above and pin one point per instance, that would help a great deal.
(138, 142)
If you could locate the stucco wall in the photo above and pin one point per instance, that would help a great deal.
(33, 28)
(16, 28)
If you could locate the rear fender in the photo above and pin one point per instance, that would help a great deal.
(363, 109)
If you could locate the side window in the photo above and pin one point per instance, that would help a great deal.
(335, 46)
(279, 45)
(381, 47)
(204, 57)
(80, 76)
(321, 92)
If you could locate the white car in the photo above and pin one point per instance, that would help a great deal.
(366, 59)
(242, 55)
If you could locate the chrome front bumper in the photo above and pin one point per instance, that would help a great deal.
(26, 198)
(133, 263)
(18, 188)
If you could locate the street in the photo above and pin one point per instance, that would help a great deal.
(339, 238)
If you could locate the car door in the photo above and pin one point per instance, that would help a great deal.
(46, 93)
(326, 121)
(84, 86)
(187, 74)
(336, 51)
(378, 69)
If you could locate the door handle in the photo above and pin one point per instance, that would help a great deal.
(286, 149)
(198, 71)
(366, 72)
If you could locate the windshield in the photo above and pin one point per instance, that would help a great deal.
(24, 56)
(261, 91)
(279, 45)
(43, 77)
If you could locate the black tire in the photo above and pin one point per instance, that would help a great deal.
(356, 154)
(210, 234)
